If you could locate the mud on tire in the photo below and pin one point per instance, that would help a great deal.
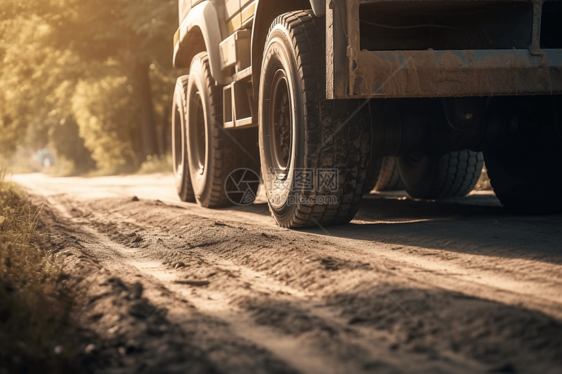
(314, 134)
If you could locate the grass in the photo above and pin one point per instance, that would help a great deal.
(34, 315)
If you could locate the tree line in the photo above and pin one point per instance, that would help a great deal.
(80, 77)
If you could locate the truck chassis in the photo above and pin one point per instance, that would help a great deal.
(423, 90)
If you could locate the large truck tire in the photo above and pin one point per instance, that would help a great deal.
(305, 139)
(389, 178)
(452, 175)
(527, 177)
(212, 153)
(384, 176)
(179, 143)
(373, 174)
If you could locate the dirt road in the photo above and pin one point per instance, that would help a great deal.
(407, 287)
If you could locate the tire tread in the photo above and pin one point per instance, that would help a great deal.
(349, 149)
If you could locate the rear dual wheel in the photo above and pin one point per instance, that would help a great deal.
(384, 176)
(205, 154)
(209, 158)
(389, 178)
(452, 175)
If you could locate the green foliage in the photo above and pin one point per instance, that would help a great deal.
(70, 148)
(73, 60)
(33, 315)
(107, 118)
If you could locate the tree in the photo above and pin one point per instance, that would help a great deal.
(68, 58)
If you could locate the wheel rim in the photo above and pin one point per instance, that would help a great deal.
(198, 135)
(280, 122)
(278, 132)
(198, 139)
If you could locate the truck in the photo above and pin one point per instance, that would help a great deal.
(326, 99)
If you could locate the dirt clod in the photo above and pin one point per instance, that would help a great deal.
(196, 283)
(89, 348)
(136, 291)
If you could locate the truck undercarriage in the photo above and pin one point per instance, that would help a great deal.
(446, 48)
(431, 85)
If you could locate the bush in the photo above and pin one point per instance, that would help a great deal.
(72, 157)
(107, 117)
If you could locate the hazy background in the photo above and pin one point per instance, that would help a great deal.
(79, 91)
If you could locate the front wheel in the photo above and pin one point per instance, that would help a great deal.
(314, 152)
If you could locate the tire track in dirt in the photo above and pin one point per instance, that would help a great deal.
(472, 307)
(207, 333)
(270, 325)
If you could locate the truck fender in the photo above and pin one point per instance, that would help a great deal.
(266, 12)
(199, 32)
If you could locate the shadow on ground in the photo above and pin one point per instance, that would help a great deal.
(484, 229)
